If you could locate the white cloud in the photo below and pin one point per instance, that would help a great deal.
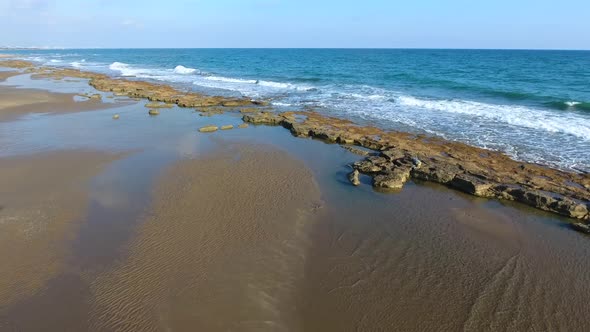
(132, 24)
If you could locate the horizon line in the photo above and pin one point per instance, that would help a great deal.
(21, 48)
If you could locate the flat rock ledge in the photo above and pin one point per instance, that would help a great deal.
(400, 157)
(208, 129)
(161, 96)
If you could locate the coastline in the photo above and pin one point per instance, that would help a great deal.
(256, 229)
(397, 156)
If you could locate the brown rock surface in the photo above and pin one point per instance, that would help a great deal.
(470, 169)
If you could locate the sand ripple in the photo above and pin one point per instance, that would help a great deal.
(224, 249)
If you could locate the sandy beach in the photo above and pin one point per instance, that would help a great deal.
(144, 223)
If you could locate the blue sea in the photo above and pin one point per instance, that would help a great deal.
(532, 105)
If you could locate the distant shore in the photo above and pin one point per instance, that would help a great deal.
(392, 158)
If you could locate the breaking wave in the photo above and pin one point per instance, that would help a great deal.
(184, 70)
(514, 115)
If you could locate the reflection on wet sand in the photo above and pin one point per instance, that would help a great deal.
(435, 262)
(224, 249)
(15, 103)
(43, 197)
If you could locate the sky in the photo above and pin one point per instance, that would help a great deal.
(528, 24)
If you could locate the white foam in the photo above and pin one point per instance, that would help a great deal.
(127, 70)
(281, 104)
(515, 115)
(572, 103)
(77, 64)
(119, 66)
(55, 61)
(184, 70)
(250, 86)
(229, 80)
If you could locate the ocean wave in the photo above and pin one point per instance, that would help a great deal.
(247, 85)
(515, 115)
(184, 70)
(77, 64)
(55, 61)
(129, 71)
(229, 80)
(569, 105)
(123, 68)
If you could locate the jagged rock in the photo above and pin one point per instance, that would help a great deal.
(580, 227)
(300, 130)
(236, 102)
(243, 125)
(353, 177)
(154, 112)
(158, 105)
(395, 179)
(356, 150)
(373, 164)
(228, 127)
(439, 172)
(116, 117)
(393, 154)
(472, 185)
(545, 201)
(208, 129)
(263, 118)
(327, 135)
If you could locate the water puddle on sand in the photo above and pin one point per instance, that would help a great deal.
(154, 252)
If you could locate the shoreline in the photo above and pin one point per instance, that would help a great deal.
(394, 157)
(256, 229)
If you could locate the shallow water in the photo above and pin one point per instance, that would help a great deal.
(533, 105)
(425, 258)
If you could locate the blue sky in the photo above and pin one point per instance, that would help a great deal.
(542, 24)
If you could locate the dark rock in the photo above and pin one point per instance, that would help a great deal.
(580, 227)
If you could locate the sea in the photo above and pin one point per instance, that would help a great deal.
(533, 105)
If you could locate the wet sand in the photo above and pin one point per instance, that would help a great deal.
(224, 249)
(42, 200)
(253, 229)
(15, 103)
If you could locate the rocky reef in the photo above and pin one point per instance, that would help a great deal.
(159, 94)
(400, 156)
